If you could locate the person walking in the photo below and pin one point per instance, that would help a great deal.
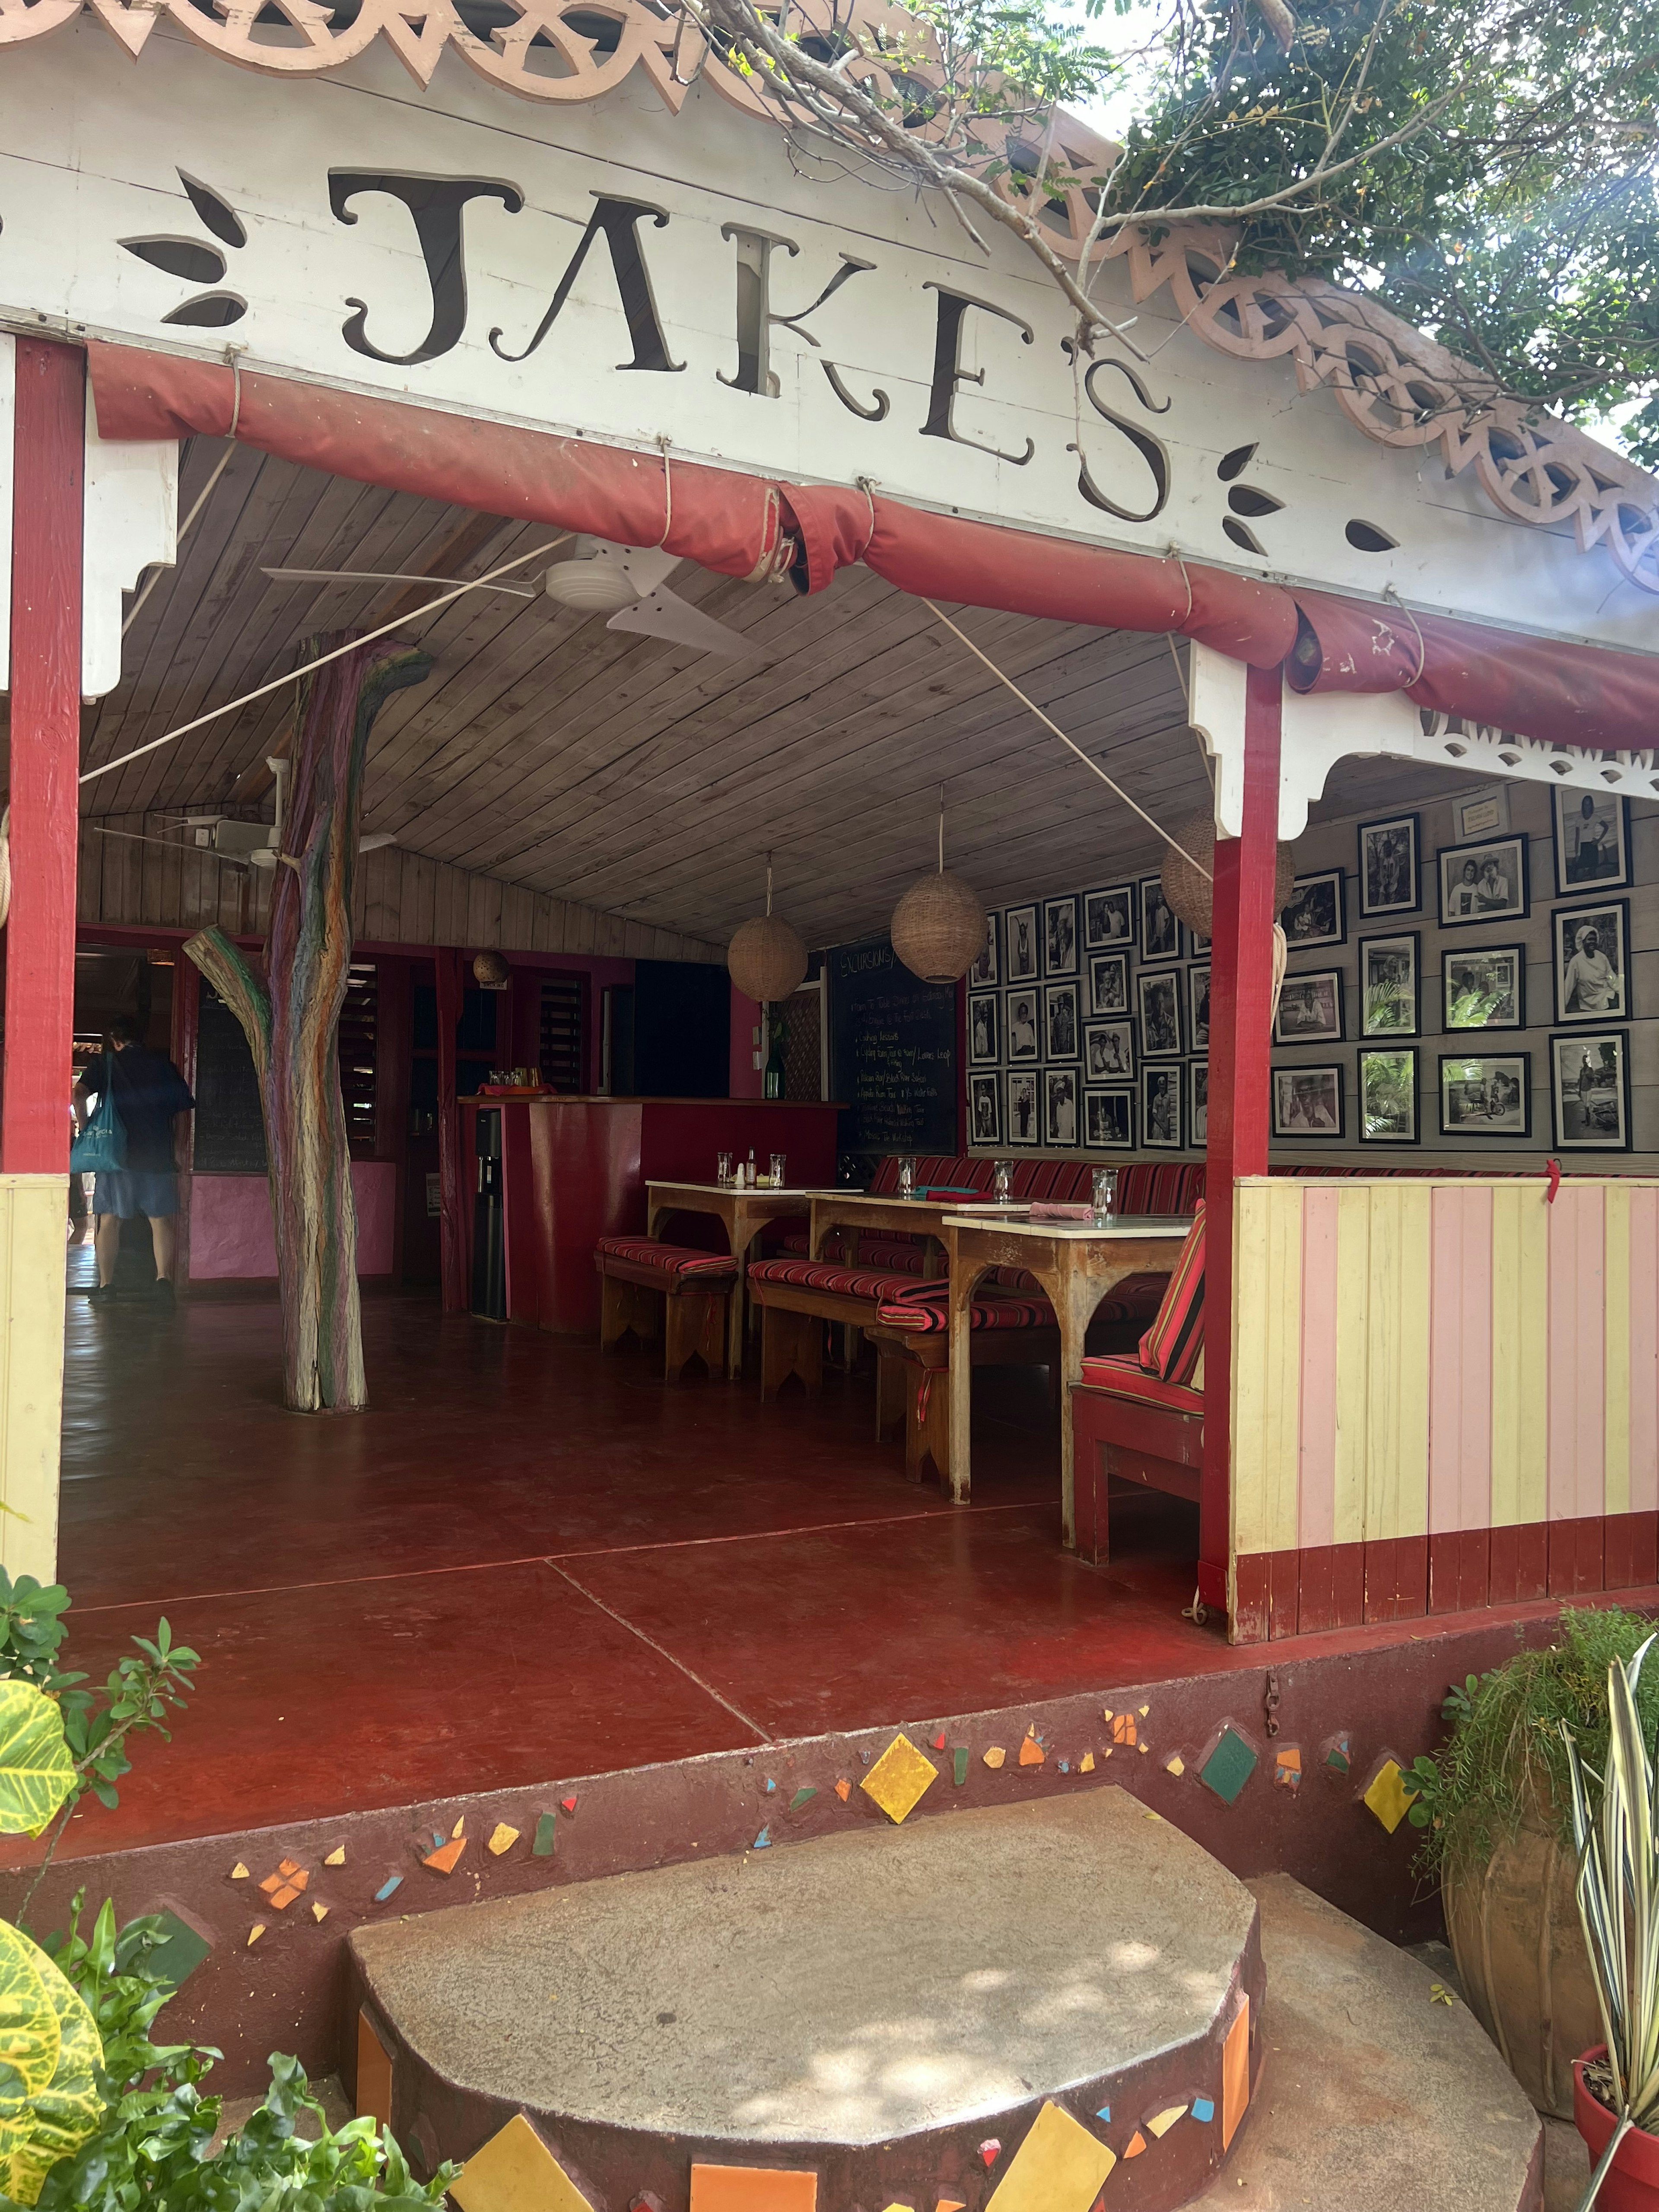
(149, 1095)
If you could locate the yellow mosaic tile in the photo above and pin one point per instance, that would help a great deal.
(502, 1838)
(1060, 2168)
(1388, 1796)
(515, 2171)
(899, 1778)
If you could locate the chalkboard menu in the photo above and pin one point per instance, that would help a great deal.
(892, 1053)
(230, 1130)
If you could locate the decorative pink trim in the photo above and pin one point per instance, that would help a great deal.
(1643, 1350)
(1460, 1360)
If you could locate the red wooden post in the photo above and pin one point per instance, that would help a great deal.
(1241, 999)
(186, 1043)
(452, 1227)
(47, 491)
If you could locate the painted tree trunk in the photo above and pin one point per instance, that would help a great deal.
(288, 1005)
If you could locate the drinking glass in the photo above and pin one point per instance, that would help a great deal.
(1105, 1197)
(723, 1170)
(1003, 1188)
(777, 1171)
(907, 1182)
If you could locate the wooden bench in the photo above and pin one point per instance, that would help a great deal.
(913, 1349)
(1128, 1425)
(797, 1297)
(694, 1288)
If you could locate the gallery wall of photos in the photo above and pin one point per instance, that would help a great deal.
(1089, 1026)
(1480, 975)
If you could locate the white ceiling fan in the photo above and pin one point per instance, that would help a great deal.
(256, 844)
(626, 582)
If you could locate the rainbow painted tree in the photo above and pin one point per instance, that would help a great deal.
(289, 1004)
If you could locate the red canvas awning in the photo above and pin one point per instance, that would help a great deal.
(734, 524)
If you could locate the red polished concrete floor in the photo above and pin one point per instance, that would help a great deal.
(524, 1562)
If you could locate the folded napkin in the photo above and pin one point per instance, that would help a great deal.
(1040, 1213)
(946, 1190)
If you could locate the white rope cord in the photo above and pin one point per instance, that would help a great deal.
(294, 675)
(224, 461)
(667, 493)
(1094, 767)
(1391, 593)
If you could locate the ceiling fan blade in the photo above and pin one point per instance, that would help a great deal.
(644, 566)
(372, 840)
(385, 576)
(661, 614)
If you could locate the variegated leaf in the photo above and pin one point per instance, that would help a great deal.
(36, 1770)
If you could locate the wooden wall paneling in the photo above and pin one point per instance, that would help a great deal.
(484, 923)
(517, 917)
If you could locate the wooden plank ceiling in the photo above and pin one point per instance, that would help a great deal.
(637, 776)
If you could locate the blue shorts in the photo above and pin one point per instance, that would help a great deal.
(126, 1191)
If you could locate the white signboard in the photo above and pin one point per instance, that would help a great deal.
(622, 274)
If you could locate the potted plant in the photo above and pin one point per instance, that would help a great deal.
(1495, 1807)
(1616, 1831)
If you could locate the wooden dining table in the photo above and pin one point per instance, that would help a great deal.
(744, 1212)
(915, 1217)
(1077, 1264)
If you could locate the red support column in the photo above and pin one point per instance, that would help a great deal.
(47, 493)
(185, 1041)
(1241, 998)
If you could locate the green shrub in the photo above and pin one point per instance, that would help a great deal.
(1506, 1753)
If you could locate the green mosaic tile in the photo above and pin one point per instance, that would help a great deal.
(179, 1952)
(546, 1830)
(1229, 1766)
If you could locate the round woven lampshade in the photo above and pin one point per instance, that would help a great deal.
(766, 959)
(1191, 894)
(938, 927)
(490, 971)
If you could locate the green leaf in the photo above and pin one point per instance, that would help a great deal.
(36, 1771)
(49, 2099)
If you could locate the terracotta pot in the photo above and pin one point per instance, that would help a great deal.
(1514, 1928)
(1633, 2184)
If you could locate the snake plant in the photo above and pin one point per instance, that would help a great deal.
(1615, 1826)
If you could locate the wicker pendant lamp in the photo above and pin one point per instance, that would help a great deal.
(766, 959)
(1190, 893)
(938, 926)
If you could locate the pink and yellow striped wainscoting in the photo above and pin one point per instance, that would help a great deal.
(1445, 1395)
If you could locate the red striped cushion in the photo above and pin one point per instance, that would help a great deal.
(831, 1275)
(897, 1255)
(666, 1259)
(1127, 1378)
(1171, 1346)
(931, 1316)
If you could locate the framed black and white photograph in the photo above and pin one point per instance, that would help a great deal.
(1390, 879)
(1486, 989)
(1389, 985)
(1059, 1092)
(1387, 1095)
(1022, 1028)
(1486, 1094)
(984, 1027)
(1160, 1014)
(1109, 917)
(1198, 1102)
(1307, 1102)
(1314, 913)
(1109, 1052)
(1024, 1122)
(1197, 1009)
(1109, 983)
(1062, 1026)
(1160, 1108)
(1021, 953)
(1590, 944)
(1059, 937)
(1484, 882)
(985, 969)
(1108, 1121)
(1589, 1090)
(985, 1109)
(1592, 842)
(1310, 1008)
(1160, 925)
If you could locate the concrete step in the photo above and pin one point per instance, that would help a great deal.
(893, 2011)
(987, 2010)
(1372, 2094)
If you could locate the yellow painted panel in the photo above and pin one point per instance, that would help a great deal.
(1397, 1374)
(1353, 1299)
(32, 1212)
(1616, 1305)
(1519, 1353)
(1267, 1337)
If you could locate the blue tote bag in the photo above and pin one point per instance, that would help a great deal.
(101, 1146)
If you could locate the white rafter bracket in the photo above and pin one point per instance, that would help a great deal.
(131, 525)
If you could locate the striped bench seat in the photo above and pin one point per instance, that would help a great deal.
(797, 1297)
(913, 1349)
(1141, 1419)
(671, 1290)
